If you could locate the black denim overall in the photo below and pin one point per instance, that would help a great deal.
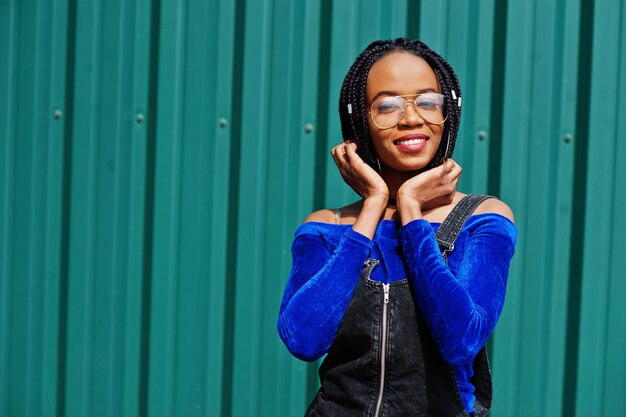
(384, 361)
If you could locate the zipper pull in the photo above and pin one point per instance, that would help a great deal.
(386, 291)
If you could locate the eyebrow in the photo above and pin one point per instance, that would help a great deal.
(395, 93)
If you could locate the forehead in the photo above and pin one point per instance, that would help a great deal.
(400, 73)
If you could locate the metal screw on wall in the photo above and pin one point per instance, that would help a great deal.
(57, 114)
(139, 118)
(222, 122)
(308, 128)
(482, 135)
(568, 138)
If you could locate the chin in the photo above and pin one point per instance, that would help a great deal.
(415, 163)
(407, 167)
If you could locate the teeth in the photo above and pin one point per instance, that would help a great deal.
(410, 142)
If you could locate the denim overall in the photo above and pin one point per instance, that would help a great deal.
(384, 361)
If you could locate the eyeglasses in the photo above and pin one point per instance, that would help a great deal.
(387, 112)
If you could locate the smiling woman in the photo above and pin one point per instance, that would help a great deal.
(402, 288)
(406, 137)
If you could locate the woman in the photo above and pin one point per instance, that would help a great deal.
(404, 327)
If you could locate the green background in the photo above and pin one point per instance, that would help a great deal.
(156, 157)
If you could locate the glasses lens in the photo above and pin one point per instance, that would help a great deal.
(387, 111)
(430, 107)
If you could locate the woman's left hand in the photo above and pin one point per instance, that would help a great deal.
(433, 188)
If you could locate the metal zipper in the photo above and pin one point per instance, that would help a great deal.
(383, 351)
(371, 262)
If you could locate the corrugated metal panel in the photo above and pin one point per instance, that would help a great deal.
(601, 371)
(190, 247)
(538, 169)
(157, 156)
(32, 102)
(103, 315)
(279, 98)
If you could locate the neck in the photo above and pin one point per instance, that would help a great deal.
(395, 179)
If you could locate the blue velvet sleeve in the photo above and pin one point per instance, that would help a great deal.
(319, 289)
(460, 310)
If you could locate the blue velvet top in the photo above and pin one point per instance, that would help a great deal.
(461, 302)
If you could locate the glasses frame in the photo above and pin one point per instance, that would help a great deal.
(406, 103)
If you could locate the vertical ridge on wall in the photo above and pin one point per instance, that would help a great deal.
(162, 363)
(341, 54)
(413, 15)
(564, 90)
(141, 189)
(231, 267)
(54, 322)
(251, 226)
(7, 103)
(323, 71)
(601, 328)
(44, 232)
(80, 338)
(153, 19)
(492, 112)
(508, 334)
(586, 19)
(225, 144)
(66, 207)
(495, 133)
(288, 73)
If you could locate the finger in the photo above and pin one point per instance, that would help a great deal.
(338, 160)
(449, 165)
(352, 145)
(343, 154)
(338, 151)
(456, 170)
(350, 149)
(354, 160)
(448, 171)
(443, 170)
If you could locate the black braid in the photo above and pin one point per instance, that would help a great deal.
(355, 126)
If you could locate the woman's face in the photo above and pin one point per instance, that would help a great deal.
(411, 144)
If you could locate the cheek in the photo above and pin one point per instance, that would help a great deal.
(438, 132)
(380, 138)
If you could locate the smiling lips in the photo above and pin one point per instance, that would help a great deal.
(412, 143)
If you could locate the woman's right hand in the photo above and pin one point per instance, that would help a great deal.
(361, 177)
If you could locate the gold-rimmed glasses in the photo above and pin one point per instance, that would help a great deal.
(387, 111)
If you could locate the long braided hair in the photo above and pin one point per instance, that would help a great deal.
(353, 103)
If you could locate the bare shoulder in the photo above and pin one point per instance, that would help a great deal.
(493, 205)
(346, 214)
(321, 216)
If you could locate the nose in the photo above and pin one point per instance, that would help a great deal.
(411, 116)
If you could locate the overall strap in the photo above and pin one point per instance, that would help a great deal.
(452, 225)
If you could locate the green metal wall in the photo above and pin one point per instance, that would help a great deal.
(156, 157)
